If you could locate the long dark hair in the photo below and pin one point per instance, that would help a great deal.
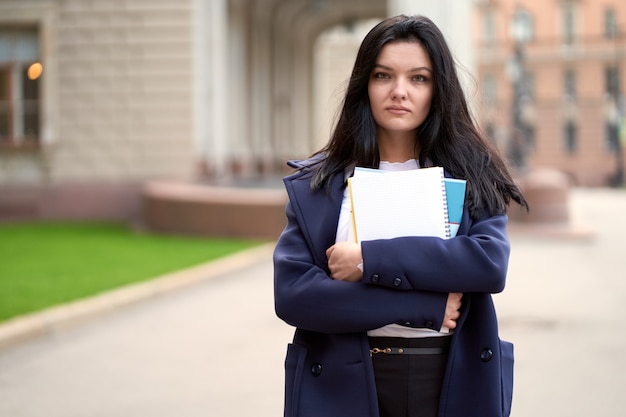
(448, 137)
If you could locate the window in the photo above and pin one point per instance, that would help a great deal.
(610, 24)
(529, 135)
(529, 86)
(490, 89)
(571, 136)
(612, 81)
(523, 26)
(490, 132)
(569, 23)
(569, 85)
(611, 136)
(20, 74)
(489, 27)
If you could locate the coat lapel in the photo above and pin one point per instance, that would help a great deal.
(320, 209)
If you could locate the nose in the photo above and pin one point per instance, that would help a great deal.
(398, 91)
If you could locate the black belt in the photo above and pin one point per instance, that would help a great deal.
(409, 351)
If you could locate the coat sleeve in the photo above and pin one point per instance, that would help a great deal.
(475, 261)
(306, 297)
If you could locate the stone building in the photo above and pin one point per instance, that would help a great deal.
(99, 96)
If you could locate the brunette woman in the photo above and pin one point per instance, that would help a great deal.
(405, 326)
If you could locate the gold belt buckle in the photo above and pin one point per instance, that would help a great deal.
(379, 350)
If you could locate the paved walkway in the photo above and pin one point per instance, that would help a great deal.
(216, 349)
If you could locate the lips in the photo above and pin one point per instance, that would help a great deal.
(399, 110)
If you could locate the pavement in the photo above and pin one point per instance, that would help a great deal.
(206, 342)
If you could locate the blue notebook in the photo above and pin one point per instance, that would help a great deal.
(455, 196)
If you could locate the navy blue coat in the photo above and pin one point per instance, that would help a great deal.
(328, 368)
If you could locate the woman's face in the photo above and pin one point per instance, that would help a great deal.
(400, 89)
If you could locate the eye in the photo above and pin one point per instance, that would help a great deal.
(381, 76)
(420, 78)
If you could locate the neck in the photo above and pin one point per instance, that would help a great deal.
(397, 148)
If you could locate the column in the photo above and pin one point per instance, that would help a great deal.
(260, 95)
(210, 84)
(240, 149)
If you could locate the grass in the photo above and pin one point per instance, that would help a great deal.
(44, 264)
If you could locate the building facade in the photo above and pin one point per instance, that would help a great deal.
(95, 97)
(99, 96)
(551, 74)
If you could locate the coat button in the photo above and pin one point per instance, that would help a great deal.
(375, 278)
(428, 324)
(486, 355)
(397, 282)
(316, 369)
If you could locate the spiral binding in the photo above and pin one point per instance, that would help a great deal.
(445, 206)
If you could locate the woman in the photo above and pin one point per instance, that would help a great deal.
(371, 318)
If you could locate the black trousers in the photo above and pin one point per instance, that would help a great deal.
(409, 385)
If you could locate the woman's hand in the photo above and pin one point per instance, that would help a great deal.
(343, 260)
(452, 310)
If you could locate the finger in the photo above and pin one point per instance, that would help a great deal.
(450, 324)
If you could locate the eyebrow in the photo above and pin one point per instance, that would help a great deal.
(411, 70)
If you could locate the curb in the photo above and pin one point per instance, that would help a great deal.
(46, 322)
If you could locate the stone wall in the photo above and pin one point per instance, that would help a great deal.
(116, 91)
(125, 85)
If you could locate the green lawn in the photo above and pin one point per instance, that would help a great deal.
(43, 264)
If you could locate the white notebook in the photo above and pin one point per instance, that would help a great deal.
(399, 203)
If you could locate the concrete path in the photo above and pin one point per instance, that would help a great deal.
(215, 348)
(564, 308)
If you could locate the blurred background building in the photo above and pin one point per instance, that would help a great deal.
(559, 67)
(99, 96)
